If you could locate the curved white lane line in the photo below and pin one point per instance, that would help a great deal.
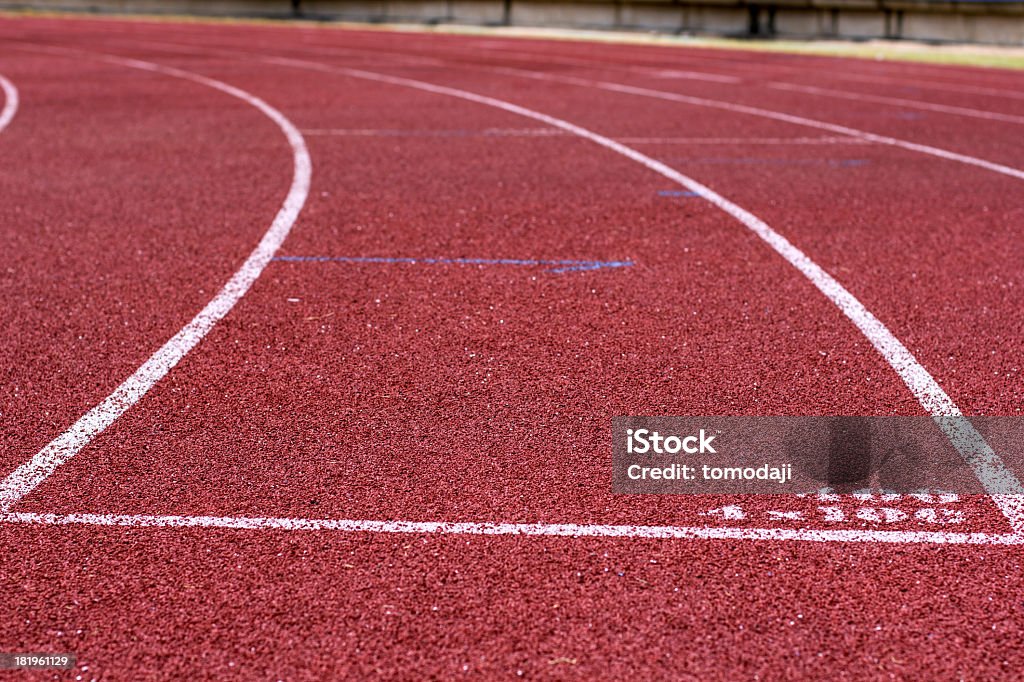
(30, 474)
(10, 102)
(565, 530)
(1006, 491)
(898, 101)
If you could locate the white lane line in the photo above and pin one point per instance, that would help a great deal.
(1006, 491)
(685, 75)
(570, 530)
(768, 113)
(10, 102)
(26, 477)
(898, 101)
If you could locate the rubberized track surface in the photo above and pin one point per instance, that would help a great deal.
(389, 457)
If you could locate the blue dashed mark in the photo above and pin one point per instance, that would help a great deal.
(676, 193)
(552, 265)
(757, 161)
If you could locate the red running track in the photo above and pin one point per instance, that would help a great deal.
(315, 437)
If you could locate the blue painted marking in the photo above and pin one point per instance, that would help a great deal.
(676, 193)
(756, 161)
(554, 265)
(427, 133)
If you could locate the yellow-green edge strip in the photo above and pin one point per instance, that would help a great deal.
(906, 51)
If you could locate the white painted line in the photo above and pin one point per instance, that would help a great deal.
(1007, 492)
(10, 102)
(569, 530)
(677, 74)
(899, 101)
(774, 115)
(26, 477)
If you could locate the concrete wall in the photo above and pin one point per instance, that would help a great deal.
(986, 21)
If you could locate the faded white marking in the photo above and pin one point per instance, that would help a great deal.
(26, 477)
(786, 515)
(531, 529)
(686, 75)
(729, 512)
